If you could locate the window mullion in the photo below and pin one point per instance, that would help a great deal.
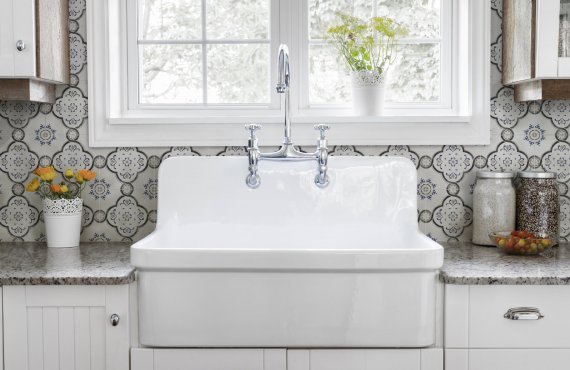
(448, 67)
(278, 31)
(204, 56)
(301, 43)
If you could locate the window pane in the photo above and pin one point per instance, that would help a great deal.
(416, 74)
(170, 19)
(237, 19)
(421, 17)
(328, 78)
(322, 13)
(171, 74)
(238, 73)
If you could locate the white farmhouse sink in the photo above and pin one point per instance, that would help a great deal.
(288, 264)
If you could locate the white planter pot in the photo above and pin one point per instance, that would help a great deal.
(62, 219)
(368, 93)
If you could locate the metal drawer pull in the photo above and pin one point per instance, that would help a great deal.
(523, 313)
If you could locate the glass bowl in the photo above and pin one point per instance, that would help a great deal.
(520, 242)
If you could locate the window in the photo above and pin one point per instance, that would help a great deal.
(421, 73)
(196, 71)
(195, 53)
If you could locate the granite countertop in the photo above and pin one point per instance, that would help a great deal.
(89, 264)
(108, 264)
(468, 264)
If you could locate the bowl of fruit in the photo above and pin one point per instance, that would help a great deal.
(520, 242)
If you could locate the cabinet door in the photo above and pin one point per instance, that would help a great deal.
(17, 22)
(552, 39)
(354, 359)
(65, 327)
(1, 336)
(208, 359)
(7, 47)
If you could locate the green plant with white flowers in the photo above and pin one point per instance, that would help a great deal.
(366, 45)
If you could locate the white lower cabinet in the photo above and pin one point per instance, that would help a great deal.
(282, 359)
(365, 359)
(66, 327)
(208, 359)
(519, 359)
(480, 335)
(1, 335)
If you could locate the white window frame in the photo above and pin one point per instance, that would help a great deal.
(112, 122)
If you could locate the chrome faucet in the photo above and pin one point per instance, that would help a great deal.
(287, 151)
(283, 82)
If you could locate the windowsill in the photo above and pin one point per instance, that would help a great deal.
(411, 130)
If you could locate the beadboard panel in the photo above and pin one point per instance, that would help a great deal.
(42, 335)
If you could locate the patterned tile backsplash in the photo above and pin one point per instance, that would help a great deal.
(120, 205)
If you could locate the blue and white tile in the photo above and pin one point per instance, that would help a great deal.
(127, 163)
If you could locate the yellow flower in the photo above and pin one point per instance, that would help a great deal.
(63, 188)
(55, 188)
(87, 175)
(69, 173)
(33, 185)
(78, 178)
(45, 173)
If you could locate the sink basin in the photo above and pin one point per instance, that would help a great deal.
(288, 264)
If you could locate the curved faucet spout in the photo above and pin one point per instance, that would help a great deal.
(283, 72)
(283, 82)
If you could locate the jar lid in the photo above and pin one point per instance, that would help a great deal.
(537, 175)
(495, 175)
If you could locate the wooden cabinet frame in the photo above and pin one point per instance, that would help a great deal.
(530, 50)
(30, 74)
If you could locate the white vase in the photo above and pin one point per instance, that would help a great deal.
(62, 219)
(368, 92)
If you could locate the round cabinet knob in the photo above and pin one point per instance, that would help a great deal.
(115, 319)
(20, 45)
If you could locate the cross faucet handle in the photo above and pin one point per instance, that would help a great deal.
(252, 128)
(323, 129)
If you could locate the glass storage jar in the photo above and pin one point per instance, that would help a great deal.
(493, 205)
(538, 204)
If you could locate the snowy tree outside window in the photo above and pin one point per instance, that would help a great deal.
(212, 54)
(218, 52)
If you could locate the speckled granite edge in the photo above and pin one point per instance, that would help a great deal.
(88, 264)
(468, 264)
(68, 280)
(492, 280)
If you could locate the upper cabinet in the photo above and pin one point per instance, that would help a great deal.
(34, 49)
(536, 48)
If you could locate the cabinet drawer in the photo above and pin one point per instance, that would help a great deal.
(519, 359)
(488, 328)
